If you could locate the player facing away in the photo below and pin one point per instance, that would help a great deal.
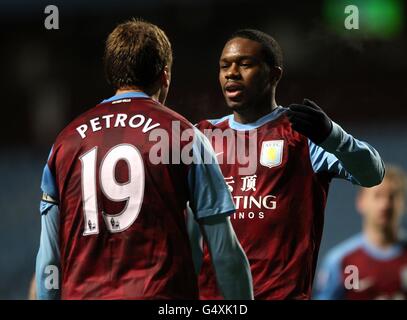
(372, 264)
(280, 206)
(113, 220)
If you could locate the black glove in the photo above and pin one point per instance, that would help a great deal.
(310, 120)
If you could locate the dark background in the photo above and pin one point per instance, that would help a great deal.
(50, 76)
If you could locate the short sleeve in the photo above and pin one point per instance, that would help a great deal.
(209, 194)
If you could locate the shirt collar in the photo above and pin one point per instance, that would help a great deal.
(382, 254)
(258, 123)
(133, 94)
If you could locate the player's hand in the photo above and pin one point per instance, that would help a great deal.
(310, 120)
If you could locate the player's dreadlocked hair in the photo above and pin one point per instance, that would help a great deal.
(271, 49)
(136, 53)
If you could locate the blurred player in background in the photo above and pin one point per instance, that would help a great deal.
(113, 222)
(280, 207)
(372, 264)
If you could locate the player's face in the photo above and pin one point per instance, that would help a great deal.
(244, 76)
(382, 205)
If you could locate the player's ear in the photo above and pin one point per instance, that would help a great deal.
(166, 76)
(275, 74)
(164, 84)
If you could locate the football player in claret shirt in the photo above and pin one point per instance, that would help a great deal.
(113, 219)
(372, 264)
(279, 207)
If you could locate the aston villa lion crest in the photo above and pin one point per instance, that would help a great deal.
(272, 153)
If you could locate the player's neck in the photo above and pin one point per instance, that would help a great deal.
(252, 114)
(382, 238)
(136, 89)
(128, 89)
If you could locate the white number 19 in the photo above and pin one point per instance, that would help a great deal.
(132, 191)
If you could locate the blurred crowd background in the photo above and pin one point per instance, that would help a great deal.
(50, 76)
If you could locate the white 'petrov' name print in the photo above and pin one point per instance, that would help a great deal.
(115, 121)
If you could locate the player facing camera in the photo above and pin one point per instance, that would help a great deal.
(250, 67)
(383, 206)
